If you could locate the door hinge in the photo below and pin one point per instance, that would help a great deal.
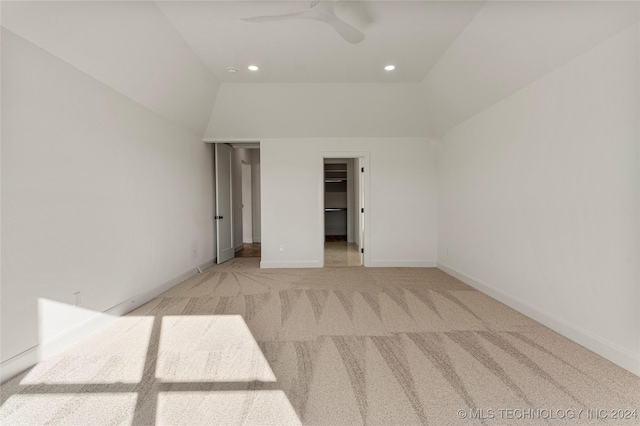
(362, 250)
(362, 210)
(362, 169)
(218, 217)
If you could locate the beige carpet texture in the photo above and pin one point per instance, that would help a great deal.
(335, 346)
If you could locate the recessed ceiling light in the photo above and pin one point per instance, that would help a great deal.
(253, 68)
(390, 68)
(232, 70)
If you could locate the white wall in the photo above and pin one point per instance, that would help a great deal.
(401, 216)
(128, 45)
(99, 194)
(539, 200)
(257, 111)
(510, 44)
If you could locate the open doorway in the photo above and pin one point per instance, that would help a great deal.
(247, 208)
(247, 160)
(343, 212)
(237, 200)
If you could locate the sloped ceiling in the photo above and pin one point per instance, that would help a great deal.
(411, 34)
(500, 47)
(455, 58)
(129, 46)
(511, 44)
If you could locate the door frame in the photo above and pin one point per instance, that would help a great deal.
(233, 143)
(366, 163)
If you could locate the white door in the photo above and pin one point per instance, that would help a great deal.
(224, 220)
(247, 210)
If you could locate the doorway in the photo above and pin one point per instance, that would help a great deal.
(247, 210)
(343, 212)
(237, 200)
(247, 161)
(251, 246)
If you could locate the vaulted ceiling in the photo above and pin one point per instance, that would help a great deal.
(411, 34)
(459, 57)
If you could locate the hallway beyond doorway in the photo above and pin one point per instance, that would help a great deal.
(249, 250)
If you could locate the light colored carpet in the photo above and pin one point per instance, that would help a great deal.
(240, 345)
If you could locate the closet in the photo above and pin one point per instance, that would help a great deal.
(335, 200)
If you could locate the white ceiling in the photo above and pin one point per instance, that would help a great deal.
(413, 35)
(510, 44)
(128, 46)
(458, 58)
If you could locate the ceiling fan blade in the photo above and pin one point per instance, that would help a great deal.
(349, 33)
(323, 11)
(272, 18)
(359, 11)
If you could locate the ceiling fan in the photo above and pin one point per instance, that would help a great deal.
(319, 10)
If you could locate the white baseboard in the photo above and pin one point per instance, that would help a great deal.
(290, 264)
(402, 263)
(373, 263)
(18, 363)
(257, 240)
(247, 241)
(609, 350)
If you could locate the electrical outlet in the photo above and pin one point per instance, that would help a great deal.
(76, 299)
(281, 248)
